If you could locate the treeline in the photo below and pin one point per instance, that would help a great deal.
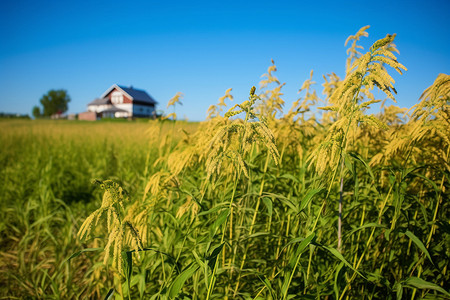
(4, 115)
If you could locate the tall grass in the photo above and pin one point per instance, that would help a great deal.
(340, 204)
(46, 174)
(325, 201)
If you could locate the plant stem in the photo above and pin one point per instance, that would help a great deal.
(341, 191)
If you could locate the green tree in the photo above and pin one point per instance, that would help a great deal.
(55, 102)
(36, 112)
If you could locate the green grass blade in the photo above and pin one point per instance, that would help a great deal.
(218, 222)
(293, 262)
(419, 244)
(82, 251)
(339, 256)
(419, 283)
(308, 197)
(178, 283)
(110, 294)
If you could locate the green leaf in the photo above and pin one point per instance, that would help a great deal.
(84, 250)
(419, 244)
(368, 225)
(213, 257)
(129, 262)
(337, 254)
(308, 197)
(368, 168)
(290, 176)
(218, 222)
(399, 290)
(178, 283)
(256, 234)
(110, 294)
(283, 199)
(301, 247)
(268, 203)
(214, 209)
(141, 284)
(419, 283)
(293, 262)
(347, 163)
(337, 280)
(268, 286)
(203, 266)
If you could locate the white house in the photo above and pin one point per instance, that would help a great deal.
(123, 102)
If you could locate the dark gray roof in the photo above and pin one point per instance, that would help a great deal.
(135, 94)
(138, 95)
(100, 101)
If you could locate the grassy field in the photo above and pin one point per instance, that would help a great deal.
(47, 169)
(324, 201)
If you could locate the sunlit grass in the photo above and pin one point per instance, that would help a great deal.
(253, 203)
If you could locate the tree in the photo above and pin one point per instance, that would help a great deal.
(55, 102)
(36, 112)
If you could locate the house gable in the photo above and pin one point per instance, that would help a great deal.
(125, 97)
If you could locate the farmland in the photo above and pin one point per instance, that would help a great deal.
(320, 200)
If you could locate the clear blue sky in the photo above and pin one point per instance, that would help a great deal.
(202, 48)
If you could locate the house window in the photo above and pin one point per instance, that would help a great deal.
(116, 97)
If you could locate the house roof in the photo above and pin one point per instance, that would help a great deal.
(100, 101)
(134, 94)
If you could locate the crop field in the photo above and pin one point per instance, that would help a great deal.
(322, 200)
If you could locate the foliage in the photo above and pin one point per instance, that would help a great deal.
(36, 112)
(54, 102)
(253, 203)
(13, 116)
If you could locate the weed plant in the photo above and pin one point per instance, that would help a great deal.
(326, 201)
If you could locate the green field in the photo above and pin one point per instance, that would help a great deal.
(329, 203)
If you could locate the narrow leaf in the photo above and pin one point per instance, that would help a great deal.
(178, 283)
(110, 294)
(268, 285)
(399, 290)
(419, 244)
(268, 203)
(368, 225)
(218, 222)
(84, 250)
(308, 197)
(419, 283)
(337, 254)
(368, 168)
(129, 262)
(301, 247)
(293, 262)
(213, 257)
(290, 176)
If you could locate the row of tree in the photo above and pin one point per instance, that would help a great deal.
(54, 102)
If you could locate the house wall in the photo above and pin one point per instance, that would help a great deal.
(125, 106)
(122, 114)
(98, 108)
(87, 116)
(143, 110)
(125, 97)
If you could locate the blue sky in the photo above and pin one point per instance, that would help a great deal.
(202, 48)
